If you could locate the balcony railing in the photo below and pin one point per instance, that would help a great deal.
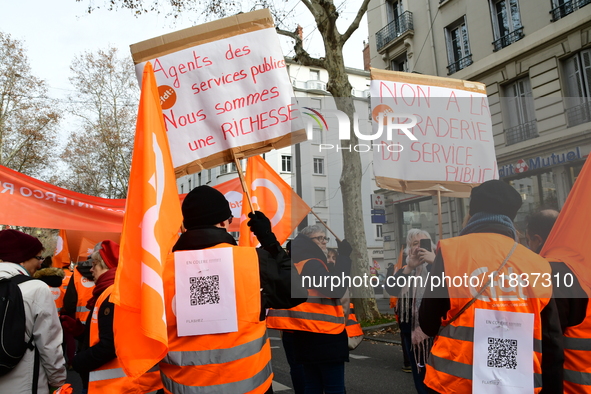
(394, 29)
(315, 85)
(522, 132)
(566, 8)
(509, 39)
(579, 114)
(458, 65)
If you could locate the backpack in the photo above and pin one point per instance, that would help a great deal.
(12, 323)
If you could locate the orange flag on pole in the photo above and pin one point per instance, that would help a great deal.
(271, 195)
(567, 242)
(86, 248)
(150, 227)
(61, 256)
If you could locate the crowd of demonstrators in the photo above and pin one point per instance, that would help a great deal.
(98, 364)
(316, 328)
(415, 342)
(487, 243)
(232, 362)
(42, 366)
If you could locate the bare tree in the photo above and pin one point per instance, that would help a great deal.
(98, 155)
(28, 118)
(325, 14)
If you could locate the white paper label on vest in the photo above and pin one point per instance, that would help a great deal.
(205, 292)
(503, 352)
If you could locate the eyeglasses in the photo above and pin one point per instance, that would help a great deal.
(321, 238)
(40, 258)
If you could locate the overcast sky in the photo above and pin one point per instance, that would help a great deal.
(55, 31)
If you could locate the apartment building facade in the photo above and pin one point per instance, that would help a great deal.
(534, 56)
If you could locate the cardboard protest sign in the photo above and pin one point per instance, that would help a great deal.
(224, 90)
(453, 147)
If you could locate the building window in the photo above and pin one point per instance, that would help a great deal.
(399, 64)
(399, 22)
(518, 106)
(421, 214)
(223, 169)
(320, 197)
(316, 135)
(379, 234)
(190, 185)
(577, 72)
(318, 166)
(286, 163)
(314, 75)
(232, 167)
(506, 23)
(209, 175)
(182, 188)
(458, 46)
(199, 179)
(561, 8)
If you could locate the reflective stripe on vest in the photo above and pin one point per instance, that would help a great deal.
(215, 356)
(467, 334)
(352, 326)
(581, 378)
(242, 386)
(105, 374)
(318, 314)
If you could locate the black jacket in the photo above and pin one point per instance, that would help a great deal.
(279, 288)
(311, 347)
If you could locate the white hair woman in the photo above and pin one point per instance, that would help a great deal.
(410, 293)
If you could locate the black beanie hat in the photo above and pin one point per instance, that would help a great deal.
(17, 247)
(495, 196)
(205, 205)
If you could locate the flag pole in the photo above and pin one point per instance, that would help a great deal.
(324, 224)
(242, 181)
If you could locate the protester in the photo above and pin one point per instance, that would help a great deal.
(21, 255)
(487, 245)
(240, 361)
(319, 337)
(331, 258)
(415, 342)
(572, 301)
(79, 291)
(99, 361)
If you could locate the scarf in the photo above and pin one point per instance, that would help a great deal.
(410, 301)
(104, 281)
(483, 222)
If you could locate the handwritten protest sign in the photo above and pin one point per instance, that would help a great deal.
(224, 90)
(450, 119)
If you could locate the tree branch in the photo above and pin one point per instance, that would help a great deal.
(302, 56)
(355, 24)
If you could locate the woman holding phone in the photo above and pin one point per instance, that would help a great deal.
(419, 256)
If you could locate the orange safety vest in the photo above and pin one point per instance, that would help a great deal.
(353, 327)
(318, 314)
(110, 377)
(84, 289)
(234, 362)
(449, 369)
(59, 292)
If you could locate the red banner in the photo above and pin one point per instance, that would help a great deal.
(29, 202)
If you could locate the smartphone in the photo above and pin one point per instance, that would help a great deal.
(425, 244)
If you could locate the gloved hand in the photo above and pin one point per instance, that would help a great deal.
(73, 326)
(260, 225)
(344, 247)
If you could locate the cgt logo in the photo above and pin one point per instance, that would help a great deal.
(382, 114)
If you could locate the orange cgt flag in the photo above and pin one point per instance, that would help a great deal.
(150, 227)
(271, 195)
(61, 256)
(86, 248)
(568, 240)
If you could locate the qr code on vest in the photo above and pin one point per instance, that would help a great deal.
(205, 290)
(502, 353)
